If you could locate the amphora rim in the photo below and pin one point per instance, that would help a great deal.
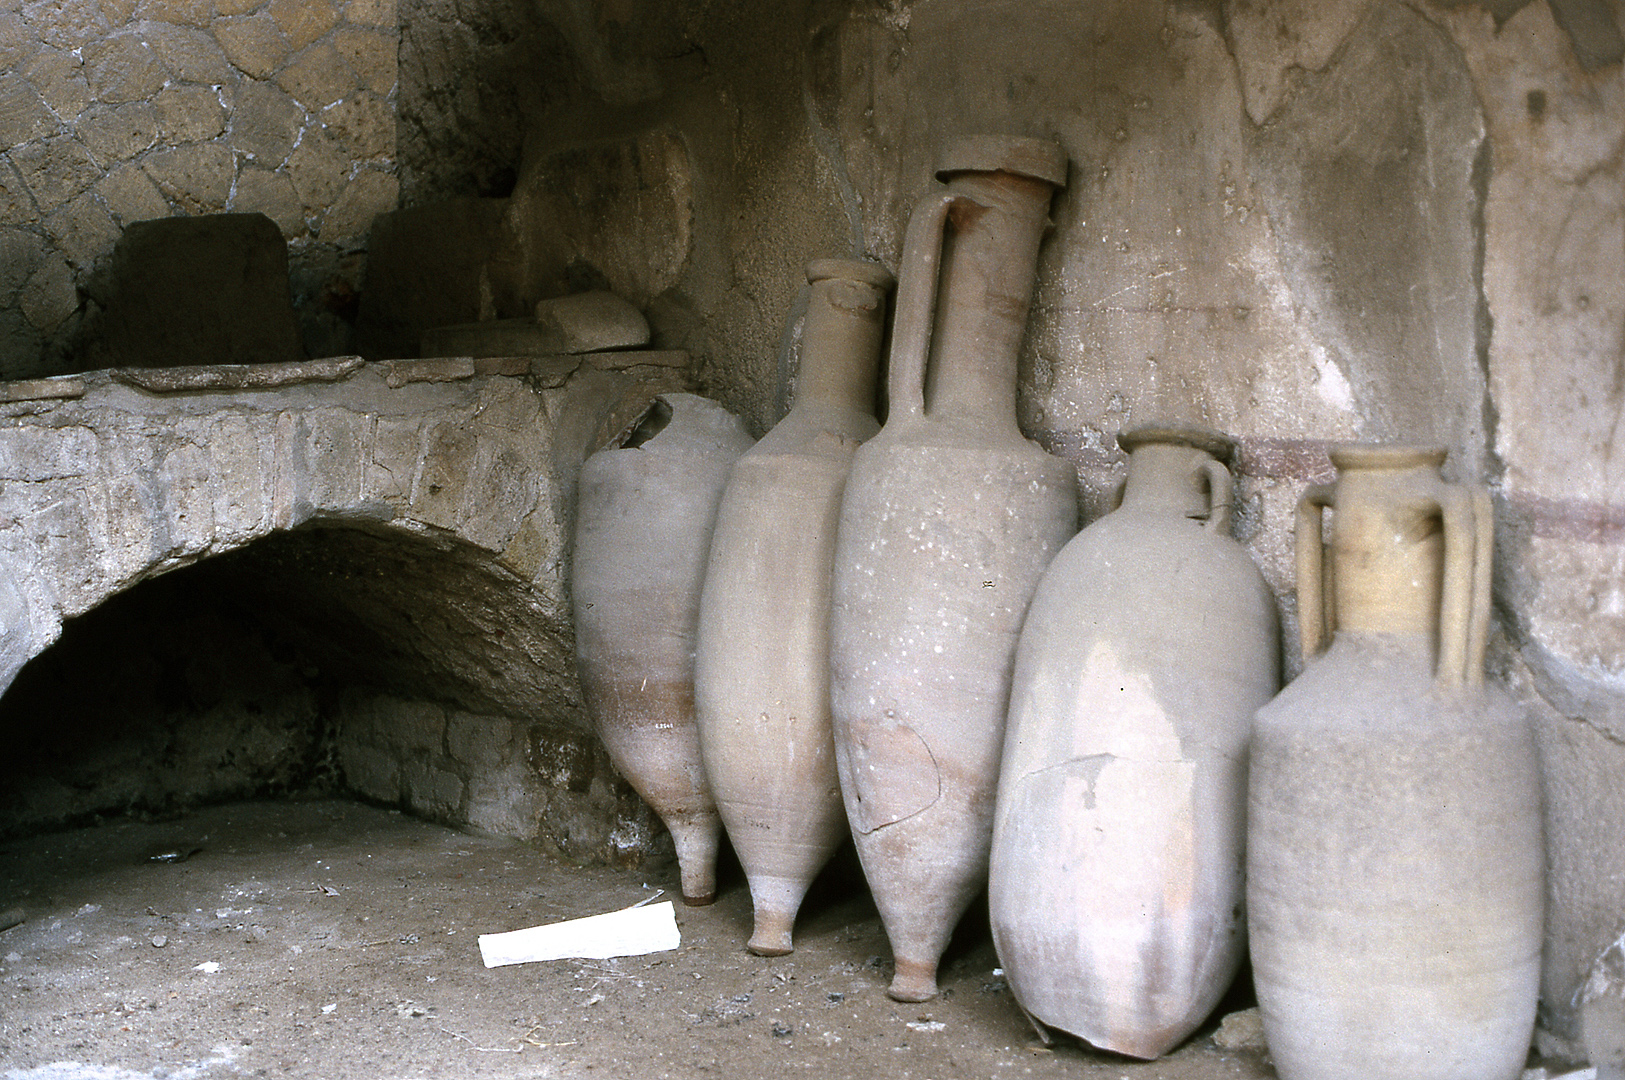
(1036, 159)
(1209, 441)
(1386, 455)
(864, 271)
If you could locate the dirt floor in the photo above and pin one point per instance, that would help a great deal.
(330, 939)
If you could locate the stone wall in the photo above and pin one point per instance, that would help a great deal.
(124, 110)
(682, 154)
(499, 774)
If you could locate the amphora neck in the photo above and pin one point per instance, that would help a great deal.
(989, 265)
(1387, 549)
(1177, 471)
(1410, 557)
(840, 339)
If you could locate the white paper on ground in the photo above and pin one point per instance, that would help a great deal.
(631, 931)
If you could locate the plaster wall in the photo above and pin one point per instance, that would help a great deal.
(113, 111)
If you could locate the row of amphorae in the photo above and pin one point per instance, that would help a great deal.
(894, 631)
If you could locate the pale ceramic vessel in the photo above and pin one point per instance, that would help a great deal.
(644, 518)
(949, 518)
(1116, 881)
(762, 666)
(1395, 863)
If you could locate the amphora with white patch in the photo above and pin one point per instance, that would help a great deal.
(1116, 883)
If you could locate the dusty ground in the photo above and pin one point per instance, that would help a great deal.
(329, 939)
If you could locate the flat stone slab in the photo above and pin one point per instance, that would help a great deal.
(435, 369)
(631, 358)
(494, 337)
(61, 388)
(173, 380)
(589, 322)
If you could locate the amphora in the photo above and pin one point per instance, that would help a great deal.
(762, 668)
(644, 518)
(949, 518)
(1395, 859)
(1118, 842)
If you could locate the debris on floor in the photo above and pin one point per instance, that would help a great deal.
(1242, 1030)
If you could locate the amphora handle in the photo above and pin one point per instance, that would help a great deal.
(1220, 487)
(1464, 619)
(918, 275)
(1478, 616)
(1467, 519)
(1314, 620)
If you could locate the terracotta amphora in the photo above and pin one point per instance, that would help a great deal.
(1395, 860)
(1116, 880)
(949, 519)
(762, 667)
(644, 517)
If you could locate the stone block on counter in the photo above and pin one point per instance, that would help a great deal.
(592, 322)
(199, 290)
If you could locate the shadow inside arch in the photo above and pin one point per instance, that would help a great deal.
(234, 676)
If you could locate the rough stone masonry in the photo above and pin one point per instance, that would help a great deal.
(428, 502)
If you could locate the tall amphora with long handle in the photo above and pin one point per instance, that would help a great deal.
(949, 518)
(762, 665)
(1395, 863)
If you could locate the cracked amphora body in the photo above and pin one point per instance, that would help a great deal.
(762, 667)
(644, 519)
(1116, 881)
(949, 518)
(1395, 860)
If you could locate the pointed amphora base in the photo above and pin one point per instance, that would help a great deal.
(772, 936)
(696, 840)
(914, 981)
